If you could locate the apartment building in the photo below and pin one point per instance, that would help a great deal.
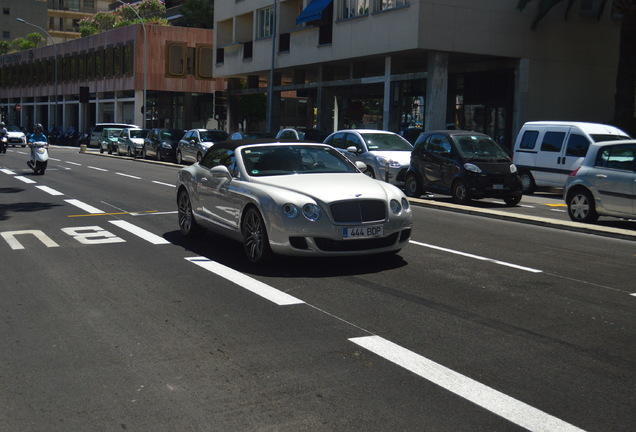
(394, 64)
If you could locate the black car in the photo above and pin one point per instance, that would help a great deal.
(466, 165)
(161, 144)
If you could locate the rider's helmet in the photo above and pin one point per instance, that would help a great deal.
(1, 124)
(38, 127)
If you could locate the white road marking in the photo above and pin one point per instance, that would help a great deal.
(49, 190)
(25, 179)
(98, 169)
(56, 160)
(164, 184)
(6, 171)
(73, 163)
(140, 232)
(86, 207)
(128, 175)
(153, 213)
(503, 405)
(244, 281)
(477, 257)
(10, 237)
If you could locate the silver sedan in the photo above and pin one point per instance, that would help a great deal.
(291, 199)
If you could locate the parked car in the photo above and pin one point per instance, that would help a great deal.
(604, 184)
(15, 136)
(303, 199)
(546, 152)
(251, 135)
(377, 149)
(96, 131)
(303, 134)
(162, 144)
(108, 140)
(196, 142)
(131, 141)
(465, 165)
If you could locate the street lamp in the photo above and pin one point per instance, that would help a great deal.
(55, 62)
(143, 125)
(270, 84)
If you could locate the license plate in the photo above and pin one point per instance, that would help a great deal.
(498, 186)
(363, 232)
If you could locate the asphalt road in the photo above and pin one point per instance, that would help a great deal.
(110, 320)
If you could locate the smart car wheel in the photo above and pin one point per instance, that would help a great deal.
(460, 192)
(412, 187)
(187, 224)
(527, 183)
(255, 241)
(581, 207)
(512, 201)
(144, 153)
(179, 157)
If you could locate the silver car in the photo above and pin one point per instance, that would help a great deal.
(298, 199)
(605, 184)
(196, 142)
(377, 149)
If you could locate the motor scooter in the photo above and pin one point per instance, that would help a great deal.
(4, 143)
(39, 156)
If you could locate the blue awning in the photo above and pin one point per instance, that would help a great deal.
(313, 11)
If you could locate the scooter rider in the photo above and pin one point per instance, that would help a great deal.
(37, 136)
(4, 136)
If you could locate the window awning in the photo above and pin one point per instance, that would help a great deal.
(313, 11)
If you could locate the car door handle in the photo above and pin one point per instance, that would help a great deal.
(601, 176)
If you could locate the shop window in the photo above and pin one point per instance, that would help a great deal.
(176, 59)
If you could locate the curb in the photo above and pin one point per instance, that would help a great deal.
(619, 233)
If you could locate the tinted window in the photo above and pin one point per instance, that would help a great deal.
(577, 145)
(617, 157)
(353, 141)
(337, 140)
(552, 141)
(213, 136)
(529, 139)
(386, 142)
(439, 145)
(220, 156)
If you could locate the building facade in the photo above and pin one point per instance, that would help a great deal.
(103, 78)
(394, 64)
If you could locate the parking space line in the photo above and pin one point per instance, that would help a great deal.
(480, 394)
(255, 286)
(477, 257)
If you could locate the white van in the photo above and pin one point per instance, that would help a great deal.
(546, 152)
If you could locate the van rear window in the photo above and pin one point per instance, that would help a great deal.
(529, 139)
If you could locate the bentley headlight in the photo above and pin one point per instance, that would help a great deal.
(311, 212)
(472, 167)
(405, 204)
(290, 210)
(513, 168)
(396, 207)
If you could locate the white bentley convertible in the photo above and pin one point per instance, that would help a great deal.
(291, 199)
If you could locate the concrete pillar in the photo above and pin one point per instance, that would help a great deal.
(436, 91)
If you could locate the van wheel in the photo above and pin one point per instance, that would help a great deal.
(460, 192)
(527, 183)
(581, 207)
(412, 187)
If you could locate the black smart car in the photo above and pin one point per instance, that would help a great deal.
(465, 165)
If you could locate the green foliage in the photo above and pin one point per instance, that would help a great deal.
(5, 47)
(198, 13)
(35, 38)
(150, 11)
